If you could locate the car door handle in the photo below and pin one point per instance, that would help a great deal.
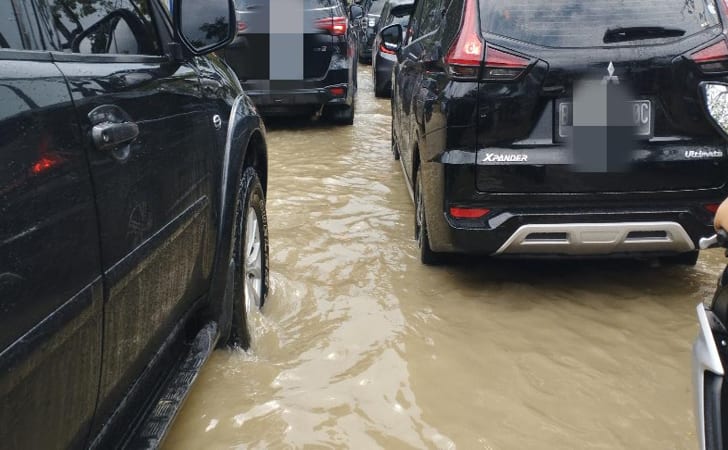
(108, 136)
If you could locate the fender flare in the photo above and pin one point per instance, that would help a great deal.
(243, 124)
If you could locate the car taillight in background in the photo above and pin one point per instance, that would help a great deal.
(336, 26)
(466, 54)
(712, 59)
(242, 26)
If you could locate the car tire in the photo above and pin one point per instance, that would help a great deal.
(341, 115)
(689, 259)
(250, 257)
(427, 256)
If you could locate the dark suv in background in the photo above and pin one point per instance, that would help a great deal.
(496, 142)
(384, 58)
(133, 234)
(297, 57)
(368, 27)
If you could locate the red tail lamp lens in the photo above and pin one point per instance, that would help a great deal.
(464, 57)
(712, 208)
(384, 49)
(336, 26)
(712, 59)
(468, 213)
(337, 91)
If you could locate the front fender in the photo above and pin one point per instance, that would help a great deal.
(243, 123)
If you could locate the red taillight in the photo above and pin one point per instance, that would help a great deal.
(712, 59)
(464, 57)
(468, 213)
(336, 26)
(337, 91)
(242, 26)
(500, 65)
(712, 208)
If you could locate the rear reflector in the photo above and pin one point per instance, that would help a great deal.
(337, 91)
(712, 208)
(336, 26)
(468, 213)
(712, 59)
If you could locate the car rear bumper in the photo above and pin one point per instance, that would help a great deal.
(383, 70)
(708, 373)
(577, 232)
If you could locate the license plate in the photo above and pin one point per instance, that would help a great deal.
(641, 118)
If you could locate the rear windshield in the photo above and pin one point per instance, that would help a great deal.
(243, 5)
(584, 23)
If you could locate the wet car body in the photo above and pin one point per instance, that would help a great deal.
(710, 356)
(483, 132)
(295, 58)
(121, 165)
(383, 59)
(369, 28)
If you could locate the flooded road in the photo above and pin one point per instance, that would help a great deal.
(361, 346)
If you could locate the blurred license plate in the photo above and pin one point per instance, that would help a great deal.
(641, 116)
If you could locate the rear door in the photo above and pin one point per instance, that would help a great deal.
(643, 47)
(51, 295)
(282, 41)
(153, 190)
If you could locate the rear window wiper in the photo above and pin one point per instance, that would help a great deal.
(626, 34)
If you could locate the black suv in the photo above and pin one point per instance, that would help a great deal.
(133, 234)
(500, 112)
(298, 59)
(383, 58)
(369, 27)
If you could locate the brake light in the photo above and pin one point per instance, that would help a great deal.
(336, 26)
(242, 26)
(712, 208)
(464, 57)
(468, 213)
(712, 59)
(500, 65)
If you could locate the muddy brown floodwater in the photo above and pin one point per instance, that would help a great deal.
(360, 346)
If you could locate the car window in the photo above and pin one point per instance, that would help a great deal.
(578, 23)
(18, 27)
(105, 27)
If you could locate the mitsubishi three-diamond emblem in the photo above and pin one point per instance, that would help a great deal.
(610, 78)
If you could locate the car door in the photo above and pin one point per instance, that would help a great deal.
(148, 134)
(406, 89)
(51, 295)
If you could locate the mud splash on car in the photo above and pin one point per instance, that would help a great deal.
(361, 346)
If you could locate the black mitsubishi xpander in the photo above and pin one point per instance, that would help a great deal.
(492, 123)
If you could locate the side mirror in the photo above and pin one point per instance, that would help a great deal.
(204, 26)
(392, 37)
(120, 32)
(356, 12)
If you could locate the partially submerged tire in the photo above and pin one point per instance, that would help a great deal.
(341, 115)
(250, 257)
(427, 256)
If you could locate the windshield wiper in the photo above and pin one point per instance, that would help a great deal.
(626, 34)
